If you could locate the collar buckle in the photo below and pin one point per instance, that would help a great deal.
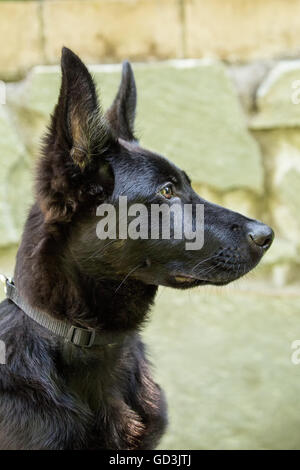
(83, 337)
(6, 281)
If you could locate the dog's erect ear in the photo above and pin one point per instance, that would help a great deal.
(78, 123)
(121, 114)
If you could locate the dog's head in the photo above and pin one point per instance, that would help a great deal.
(91, 158)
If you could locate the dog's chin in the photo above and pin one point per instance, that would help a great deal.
(181, 279)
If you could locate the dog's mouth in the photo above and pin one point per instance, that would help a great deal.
(184, 279)
(223, 267)
(220, 269)
(181, 280)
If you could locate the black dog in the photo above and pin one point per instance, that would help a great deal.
(55, 394)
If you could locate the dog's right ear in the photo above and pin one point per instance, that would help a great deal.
(121, 114)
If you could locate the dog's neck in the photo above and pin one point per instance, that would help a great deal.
(116, 308)
(60, 289)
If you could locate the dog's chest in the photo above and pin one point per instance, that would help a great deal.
(103, 391)
(113, 423)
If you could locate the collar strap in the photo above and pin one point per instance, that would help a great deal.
(82, 337)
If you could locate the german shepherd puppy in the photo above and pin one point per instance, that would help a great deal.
(54, 394)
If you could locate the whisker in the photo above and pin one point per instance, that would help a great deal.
(97, 253)
(204, 260)
(127, 275)
(210, 269)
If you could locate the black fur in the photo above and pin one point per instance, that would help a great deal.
(54, 395)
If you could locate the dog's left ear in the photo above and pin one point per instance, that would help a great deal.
(121, 114)
(75, 146)
(78, 125)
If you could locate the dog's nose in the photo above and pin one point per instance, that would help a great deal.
(260, 234)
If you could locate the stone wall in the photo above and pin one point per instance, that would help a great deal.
(234, 129)
(32, 32)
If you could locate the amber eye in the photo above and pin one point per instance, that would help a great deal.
(167, 191)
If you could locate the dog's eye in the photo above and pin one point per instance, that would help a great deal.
(167, 191)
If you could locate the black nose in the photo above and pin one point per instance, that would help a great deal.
(260, 234)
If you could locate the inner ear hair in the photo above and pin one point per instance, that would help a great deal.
(91, 136)
(79, 155)
(78, 113)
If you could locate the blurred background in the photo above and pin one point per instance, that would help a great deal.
(219, 94)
